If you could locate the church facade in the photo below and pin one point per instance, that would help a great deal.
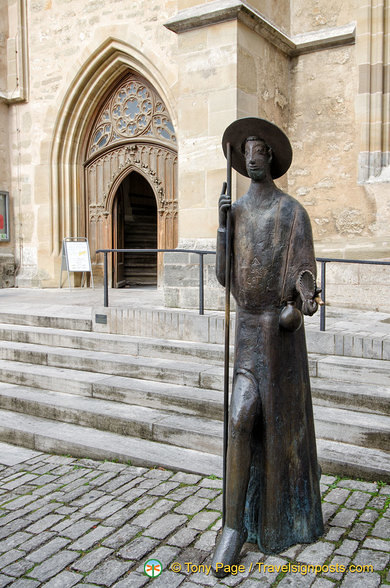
(111, 118)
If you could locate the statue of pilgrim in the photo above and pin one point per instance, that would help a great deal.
(272, 494)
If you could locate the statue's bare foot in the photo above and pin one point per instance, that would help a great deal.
(227, 551)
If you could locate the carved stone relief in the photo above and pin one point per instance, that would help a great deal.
(156, 163)
(97, 213)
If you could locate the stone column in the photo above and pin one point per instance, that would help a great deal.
(373, 42)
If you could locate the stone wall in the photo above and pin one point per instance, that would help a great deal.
(358, 286)
(77, 51)
(7, 260)
(263, 85)
(182, 278)
(347, 285)
(338, 118)
(207, 103)
(7, 270)
(314, 16)
(303, 74)
(322, 129)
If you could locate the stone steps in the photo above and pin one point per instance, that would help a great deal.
(21, 343)
(134, 278)
(372, 371)
(188, 325)
(357, 428)
(161, 426)
(354, 461)
(373, 398)
(362, 428)
(169, 392)
(123, 344)
(154, 394)
(149, 400)
(39, 319)
(52, 436)
(171, 348)
(175, 371)
(360, 392)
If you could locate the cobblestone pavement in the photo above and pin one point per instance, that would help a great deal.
(78, 522)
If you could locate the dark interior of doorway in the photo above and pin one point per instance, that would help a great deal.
(139, 231)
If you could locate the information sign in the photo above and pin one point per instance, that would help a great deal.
(4, 216)
(76, 258)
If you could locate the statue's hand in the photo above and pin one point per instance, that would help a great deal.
(309, 307)
(309, 293)
(224, 205)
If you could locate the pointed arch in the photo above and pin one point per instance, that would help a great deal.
(100, 72)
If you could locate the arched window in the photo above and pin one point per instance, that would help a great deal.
(134, 110)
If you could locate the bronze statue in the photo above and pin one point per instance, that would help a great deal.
(272, 493)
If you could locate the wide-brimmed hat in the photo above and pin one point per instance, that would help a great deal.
(241, 129)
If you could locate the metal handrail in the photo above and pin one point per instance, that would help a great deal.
(324, 261)
(201, 252)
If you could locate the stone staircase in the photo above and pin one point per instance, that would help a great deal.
(141, 233)
(153, 401)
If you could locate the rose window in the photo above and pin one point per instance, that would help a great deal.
(133, 110)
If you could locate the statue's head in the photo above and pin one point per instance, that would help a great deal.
(258, 158)
(244, 133)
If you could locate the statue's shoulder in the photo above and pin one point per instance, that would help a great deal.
(241, 201)
(290, 205)
(239, 205)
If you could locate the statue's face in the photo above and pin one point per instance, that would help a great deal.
(257, 159)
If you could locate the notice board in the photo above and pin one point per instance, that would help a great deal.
(77, 253)
(76, 257)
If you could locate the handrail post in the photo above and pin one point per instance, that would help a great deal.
(105, 278)
(201, 284)
(323, 285)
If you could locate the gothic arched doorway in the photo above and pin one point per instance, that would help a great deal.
(132, 139)
(134, 218)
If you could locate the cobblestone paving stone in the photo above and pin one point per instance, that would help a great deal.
(78, 522)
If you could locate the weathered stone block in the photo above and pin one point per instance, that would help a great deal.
(171, 297)
(320, 342)
(181, 275)
(7, 270)
(176, 258)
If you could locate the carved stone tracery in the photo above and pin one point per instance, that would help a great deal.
(97, 212)
(133, 110)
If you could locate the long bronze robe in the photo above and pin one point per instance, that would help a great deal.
(271, 244)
